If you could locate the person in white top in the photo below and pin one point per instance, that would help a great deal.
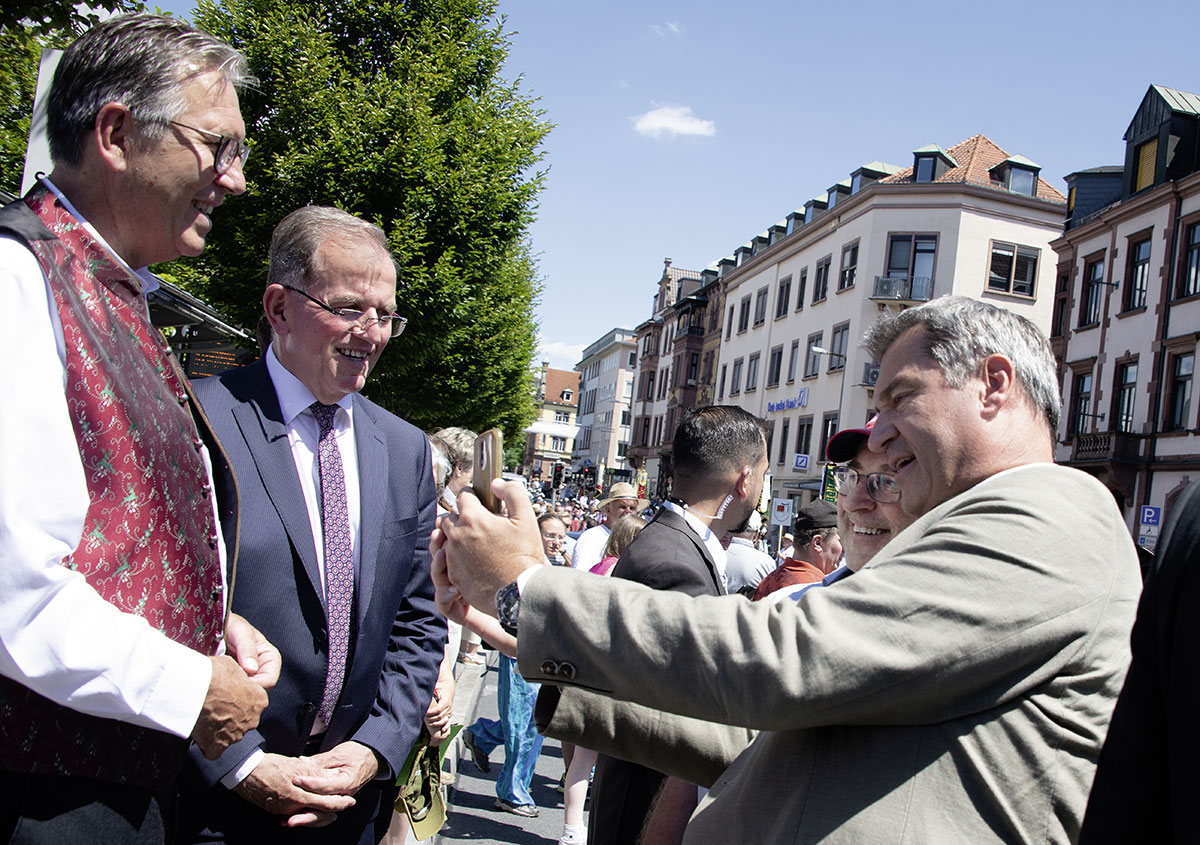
(147, 140)
(589, 548)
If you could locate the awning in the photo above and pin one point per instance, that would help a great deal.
(553, 429)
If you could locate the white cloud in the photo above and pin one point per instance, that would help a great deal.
(671, 28)
(669, 121)
(562, 356)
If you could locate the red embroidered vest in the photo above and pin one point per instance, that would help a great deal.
(149, 543)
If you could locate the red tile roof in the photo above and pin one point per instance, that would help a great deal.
(559, 380)
(976, 156)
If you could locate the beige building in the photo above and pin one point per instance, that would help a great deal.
(1127, 317)
(551, 437)
(971, 220)
(606, 376)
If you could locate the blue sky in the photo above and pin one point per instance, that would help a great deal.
(683, 129)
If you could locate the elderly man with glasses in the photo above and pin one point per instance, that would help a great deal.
(113, 578)
(338, 501)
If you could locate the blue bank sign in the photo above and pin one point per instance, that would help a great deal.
(801, 401)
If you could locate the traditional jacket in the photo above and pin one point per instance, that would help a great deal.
(149, 543)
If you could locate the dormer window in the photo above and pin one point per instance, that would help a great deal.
(1018, 174)
(931, 163)
(566, 395)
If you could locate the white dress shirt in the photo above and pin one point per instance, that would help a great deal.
(57, 635)
(710, 540)
(589, 548)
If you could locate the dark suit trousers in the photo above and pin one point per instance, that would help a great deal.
(50, 809)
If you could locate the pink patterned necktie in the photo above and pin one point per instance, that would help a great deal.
(339, 557)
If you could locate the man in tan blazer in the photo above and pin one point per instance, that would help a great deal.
(956, 689)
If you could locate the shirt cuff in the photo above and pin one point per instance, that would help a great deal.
(523, 579)
(178, 696)
(243, 771)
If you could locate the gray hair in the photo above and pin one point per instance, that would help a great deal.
(441, 464)
(296, 239)
(459, 443)
(141, 61)
(960, 332)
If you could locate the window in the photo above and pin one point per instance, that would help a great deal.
(1124, 391)
(1189, 280)
(804, 427)
(657, 430)
(721, 384)
(812, 361)
(770, 439)
(645, 431)
(911, 256)
(1058, 321)
(923, 172)
(632, 360)
(752, 372)
(829, 427)
(558, 444)
(774, 365)
(650, 385)
(562, 416)
(793, 355)
(1081, 399)
(622, 449)
(1147, 157)
(760, 307)
(803, 283)
(1013, 268)
(783, 299)
(849, 266)
(821, 281)
(783, 441)
(744, 314)
(625, 417)
(729, 328)
(1137, 277)
(839, 339)
(1181, 392)
(693, 368)
(1093, 280)
(1022, 180)
(735, 385)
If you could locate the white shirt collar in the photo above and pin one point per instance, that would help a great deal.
(294, 397)
(148, 281)
(710, 540)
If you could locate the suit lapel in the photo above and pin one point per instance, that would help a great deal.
(677, 522)
(261, 422)
(373, 476)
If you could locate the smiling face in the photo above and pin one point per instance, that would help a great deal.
(929, 431)
(317, 347)
(865, 525)
(618, 508)
(171, 188)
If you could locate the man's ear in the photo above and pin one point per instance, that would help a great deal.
(274, 299)
(112, 136)
(742, 484)
(999, 383)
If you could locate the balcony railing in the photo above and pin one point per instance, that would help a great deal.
(1107, 446)
(903, 288)
(690, 330)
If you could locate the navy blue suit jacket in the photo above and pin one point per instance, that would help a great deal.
(397, 636)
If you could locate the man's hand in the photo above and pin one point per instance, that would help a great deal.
(232, 707)
(253, 652)
(479, 552)
(271, 787)
(342, 770)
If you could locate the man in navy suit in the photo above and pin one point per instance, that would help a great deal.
(333, 563)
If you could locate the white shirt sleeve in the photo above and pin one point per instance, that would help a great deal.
(589, 549)
(57, 635)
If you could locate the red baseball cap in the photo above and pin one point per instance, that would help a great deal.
(844, 445)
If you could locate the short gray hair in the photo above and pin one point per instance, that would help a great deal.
(141, 61)
(296, 239)
(441, 464)
(960, 332)
(458, 443)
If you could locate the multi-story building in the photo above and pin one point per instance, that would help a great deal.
(551, 437)
(606, 393)
(969, 220)
(1127, 313)
(671, 345)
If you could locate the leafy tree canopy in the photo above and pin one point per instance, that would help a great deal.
(395, 111)
(27, 20)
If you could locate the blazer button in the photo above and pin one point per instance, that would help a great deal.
(549, 667)
(567, 670)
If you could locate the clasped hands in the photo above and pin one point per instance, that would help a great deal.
(476, 552)
(310, 791)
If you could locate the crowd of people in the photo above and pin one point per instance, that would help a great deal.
(230, 610)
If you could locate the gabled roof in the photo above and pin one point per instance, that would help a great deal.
(976, 157)
(1180, 101)
(559, 380)
(675, 274)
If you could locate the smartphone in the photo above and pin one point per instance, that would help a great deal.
(489, 463)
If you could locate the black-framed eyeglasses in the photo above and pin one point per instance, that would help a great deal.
(227, 148)
(881, 486)
(393, 324)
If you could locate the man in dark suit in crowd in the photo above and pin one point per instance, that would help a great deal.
(338, 502)
(720, 455)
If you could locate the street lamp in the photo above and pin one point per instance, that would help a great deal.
(818, 350)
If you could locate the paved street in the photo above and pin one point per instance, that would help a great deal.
(473, 816)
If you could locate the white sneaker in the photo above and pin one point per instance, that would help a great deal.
(571, 837)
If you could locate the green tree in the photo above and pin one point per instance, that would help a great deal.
(30, 19)
(395, 111)
(18, 80)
